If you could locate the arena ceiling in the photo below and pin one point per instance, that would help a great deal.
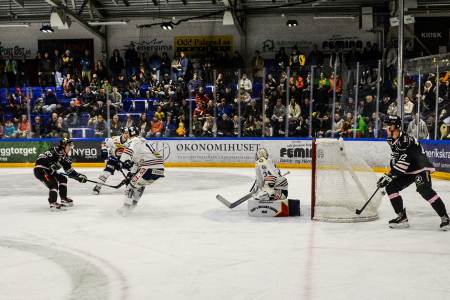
(109, 10)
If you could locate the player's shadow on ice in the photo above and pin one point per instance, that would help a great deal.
(240, 215)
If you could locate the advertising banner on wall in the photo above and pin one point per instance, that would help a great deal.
(22, 152)
(434, 33)
(76, 47)
(88, 151)
(439, 155)
(218, 43)
(147, 46)
(16, 49)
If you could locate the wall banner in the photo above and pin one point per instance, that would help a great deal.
(439, 155)
(218, 43)
(22, 152)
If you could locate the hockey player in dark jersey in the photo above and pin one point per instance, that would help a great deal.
(47, 165)
(409, 164)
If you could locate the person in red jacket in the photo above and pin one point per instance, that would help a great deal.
(156, 127)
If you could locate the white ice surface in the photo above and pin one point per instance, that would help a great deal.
(181, 243)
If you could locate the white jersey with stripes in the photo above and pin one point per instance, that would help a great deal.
(114, 145)
(268, 172)
(143, 154)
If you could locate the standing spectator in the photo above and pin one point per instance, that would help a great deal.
(58, 68)
(116, 65)
(336, 60)
(100, 71)
(67, 64)
(197, 62)
(131, 57)
(2, 72)
(11, 71)
(141, 67)
(223, 65)
(176, 67)
(184, 65)
(209, 64)
(296, 60)
(281, 62)
(237, 62)
(86, 62)
(115, 126)
(154, 63)
(24, 72)
(391, 61)
(101, 128)
(257, 66)
(316, 59)
(46, 70)
(351, 59)
(165, 63)
(423, 129)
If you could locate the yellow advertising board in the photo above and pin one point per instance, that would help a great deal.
(219, 43)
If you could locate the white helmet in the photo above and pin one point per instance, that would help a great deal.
(261, 153)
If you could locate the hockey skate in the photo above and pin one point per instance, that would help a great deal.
(445, 224)
(133, 206)
(67, 202)
(96, 191)
(400, 222)
(125, 210)
(57, 207)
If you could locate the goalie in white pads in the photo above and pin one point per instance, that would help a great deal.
(147, 168)
(269, 185)
(112, 149)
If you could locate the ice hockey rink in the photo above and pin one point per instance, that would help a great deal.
(181, 243)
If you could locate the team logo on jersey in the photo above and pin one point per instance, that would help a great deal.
(418, 179)
(261, 160)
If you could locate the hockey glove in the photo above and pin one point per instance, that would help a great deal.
(124, 165)
(81, 178)
(385, 180)
(53, 169)
(104, 153)
(128, 178)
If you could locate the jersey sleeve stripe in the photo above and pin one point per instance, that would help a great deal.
(398, 169)
(401, 166)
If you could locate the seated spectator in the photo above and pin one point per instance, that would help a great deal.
(223, 108)
(129, 121)
(412, 128)
(383, 107)
(304, 108)
(165, 97)
(68, 88)
(259, 125)
(9, 130)
(50, 102)
(271, 82)
(408, 110)
(296, 81)
(116, 98)
(61, 128)
(170, 127)
(179, 95)
(142, 123)
(347, 129)
(337, 109)
(229, 96)
(209, 128)
(268, 108)
(210, 108)
(95, 84)
(38, 105)
(184, 108)
(373, 80)
(197, 126)
(361, 129)
(338, 85)
(243, 96)
(201, 96)
(350, 107)
(2, 131)
(37, 129)
(250, 126)
(182, 84)
(294, 110)
(181, 130)
(372, 126)
(278, 118)
(292, 130)
(132, 87)
(59, 110)
(101, 128)
(366, 91)
(303, 127)
(121, 85)
(323, 80)
(194, 84)
(160, 113)
(325, 126)
(338, 125)
(172, 110)
(51, 128)
(200, 110)
(281, 93)
(101, 96)
(236, 125)
(369, 107)
(106, 86)
(115, 126)
(220, 86)
(246, 83)
(156, 127)
(224, 127)
(22, 129)
(88, 100)
(167, 82)
(93, 115)
(392, 110)
(251, 110)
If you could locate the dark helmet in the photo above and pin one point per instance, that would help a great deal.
(133, 131)
(65, 141)
(123, 129)
(393, 120)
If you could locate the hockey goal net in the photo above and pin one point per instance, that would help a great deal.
(342, 182)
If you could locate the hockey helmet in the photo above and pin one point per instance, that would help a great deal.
(393, 120)
(65, 141)
(261, 153)
(133, 131)
(123, 129)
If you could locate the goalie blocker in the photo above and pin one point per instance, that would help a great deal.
(279, 208)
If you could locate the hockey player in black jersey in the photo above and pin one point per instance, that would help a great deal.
(409, 164)
(47, 165)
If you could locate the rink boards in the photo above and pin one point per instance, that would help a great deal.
(222, 152)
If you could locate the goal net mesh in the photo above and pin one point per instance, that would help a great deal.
(343, 182)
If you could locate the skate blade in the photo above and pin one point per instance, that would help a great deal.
(446, 227)
(68, 204)
(400, 225)
(95, 192)
(58, 209)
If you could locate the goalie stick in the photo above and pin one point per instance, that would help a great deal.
(240, 201)
(111, 186)
(359, 211)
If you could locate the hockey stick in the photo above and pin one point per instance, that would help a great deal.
(111, 186)
(240, 201)
(359, 211)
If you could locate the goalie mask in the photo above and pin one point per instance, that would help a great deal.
(261, 153)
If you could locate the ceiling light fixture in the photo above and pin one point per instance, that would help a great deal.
(292, 23)
(167, 26)
(108, 23)
(46, 29)
(15, 25)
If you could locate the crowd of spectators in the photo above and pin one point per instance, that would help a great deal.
(205, 91)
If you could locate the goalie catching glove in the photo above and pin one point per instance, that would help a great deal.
(385, 180)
